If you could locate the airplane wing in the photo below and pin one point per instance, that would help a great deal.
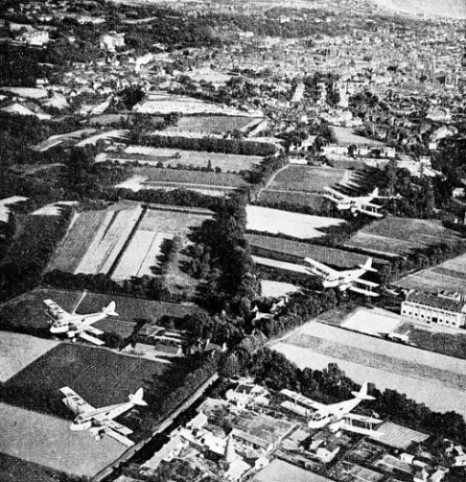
(303, 401)
(334, 195)
(74, 402)
(55, 311)
(93, 330)
(90, 338)
(370, 209)
(364, 287)
(117, 427)
(320, 269)
(119, 437)
(362, 419)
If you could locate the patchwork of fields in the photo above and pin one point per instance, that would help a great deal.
(301, 226)
(122, 243)
(400, 236)
(178, 157)
(450, 275)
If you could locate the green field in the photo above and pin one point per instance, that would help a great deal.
(213, 124)
(270, 197)
(307, 178)
(13, 469)
(178, 176)
(401, 236)
(294, 249)
(178, 157)
(74, 246)
(100, 376)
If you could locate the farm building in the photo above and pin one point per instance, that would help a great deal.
(444, 309)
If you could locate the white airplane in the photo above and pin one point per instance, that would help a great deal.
(99, 421)
(344, 280)
(360, 204)
(77, 325)
(336, 415)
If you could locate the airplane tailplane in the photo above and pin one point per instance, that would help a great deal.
(368, 265)
(362, 394)
(110, 309)
(137, 398)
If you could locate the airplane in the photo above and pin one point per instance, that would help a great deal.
(334, 412)
(356, 204)
(99, 421)
(344, 280)
(77, 325)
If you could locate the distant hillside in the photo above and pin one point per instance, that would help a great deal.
(447, 8)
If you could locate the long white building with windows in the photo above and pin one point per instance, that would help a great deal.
(445, 309)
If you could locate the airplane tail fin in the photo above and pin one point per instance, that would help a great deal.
(137, 398)
(375, 192)
(368, 265)
(362, 394)
(110, 309)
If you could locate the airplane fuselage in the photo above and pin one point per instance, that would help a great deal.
(344, 279)
(322, 418)
(73, 323)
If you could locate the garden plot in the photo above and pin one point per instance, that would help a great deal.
(152, 156)
(109, 241)
(155, 227)
(308, 179)
(301, 226)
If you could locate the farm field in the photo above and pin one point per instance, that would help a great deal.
(179, 176)
(401, 236)
(178, 157)
(109, 241)
(282, 265)
(308, 179)
(123, 240)
(289, 248)
(450, 275)
(17, 351)
(274, 197)
(47, 441)
(214, 124)
(417, 373)
(301, 226)
(157, 226)
(100, 376)
(166, 104)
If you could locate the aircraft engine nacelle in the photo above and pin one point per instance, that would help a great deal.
(76, 427)
(96, 432)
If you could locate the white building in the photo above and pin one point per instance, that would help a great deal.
(445, 309)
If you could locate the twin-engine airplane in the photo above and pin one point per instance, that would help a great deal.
(99, 421)
(344, 280)
(361, 204)
(334, 412)
(77, 325)
(336, 415)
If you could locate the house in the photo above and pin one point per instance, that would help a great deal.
(110, 41)
(445, 309)
(248, 394)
